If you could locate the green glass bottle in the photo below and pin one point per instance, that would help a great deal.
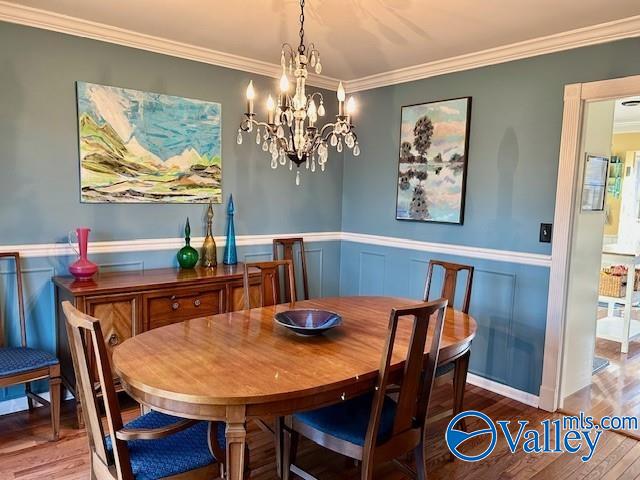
(187, 256)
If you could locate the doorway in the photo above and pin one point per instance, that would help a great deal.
(592, 349)
(601, 362)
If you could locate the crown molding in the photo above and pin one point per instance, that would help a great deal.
(626, 127)
(581, 37)
(595, 34)
(38, 18)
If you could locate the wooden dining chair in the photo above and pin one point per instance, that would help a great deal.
(460, 363)
(287, 246)
(25, 365)
(153, 445)
(374, 428)
(270, 294)
(270, 287)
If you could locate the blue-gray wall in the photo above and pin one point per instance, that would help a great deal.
(516, 121)
(515, 135)
(39, 184)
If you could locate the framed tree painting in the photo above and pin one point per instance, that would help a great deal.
(142, 147)
(432, 166)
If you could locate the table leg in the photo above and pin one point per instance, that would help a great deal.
(459, 385)
(236, 434)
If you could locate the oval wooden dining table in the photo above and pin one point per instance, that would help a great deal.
(235, 366)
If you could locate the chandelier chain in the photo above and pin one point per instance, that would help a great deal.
(301, 47)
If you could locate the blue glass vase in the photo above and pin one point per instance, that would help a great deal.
(230, 251)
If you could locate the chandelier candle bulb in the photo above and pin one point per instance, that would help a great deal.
(251, 94)
(270, 110)
(351, 108)
(284, 86)
(341, 97)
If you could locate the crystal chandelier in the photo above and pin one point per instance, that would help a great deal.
(290, 133)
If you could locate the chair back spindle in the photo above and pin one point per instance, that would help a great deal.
(287, 247)
(82, 328)
(270, 283)
(23, 324)
(449, 282)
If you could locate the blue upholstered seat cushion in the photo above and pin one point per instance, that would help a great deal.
(20, 359)
(177, 453)
(349, 420)
(444, 369)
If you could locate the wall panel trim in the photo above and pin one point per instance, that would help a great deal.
(155, 244)
(507, 256)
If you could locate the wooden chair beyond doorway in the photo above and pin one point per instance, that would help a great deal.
(459, 364)
(374, 428)
(25, 365)
(153, 445)
(288, 248)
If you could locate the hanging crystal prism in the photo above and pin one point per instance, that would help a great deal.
(257, 136)
(298, 178)
(239, 139)
(356, 150)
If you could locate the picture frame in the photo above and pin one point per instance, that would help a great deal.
(594, 183)
(136, 146)
(433, 161)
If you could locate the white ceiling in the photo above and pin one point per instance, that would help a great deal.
(356, 38)
(626, 119)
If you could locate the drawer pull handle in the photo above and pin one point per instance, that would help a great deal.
(197, 302)
(114, 340)
(175, 305)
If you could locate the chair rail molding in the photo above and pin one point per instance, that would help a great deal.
(508, 256)
(575, 96)
(581, 37)
(155, 244)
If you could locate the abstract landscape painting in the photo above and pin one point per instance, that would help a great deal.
(433, 161)
(139, 147)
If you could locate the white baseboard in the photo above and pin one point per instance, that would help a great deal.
(504, 390)
(20, 404)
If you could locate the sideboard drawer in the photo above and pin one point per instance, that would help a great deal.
(167, 307)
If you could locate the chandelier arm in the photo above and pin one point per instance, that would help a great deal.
(313, 95)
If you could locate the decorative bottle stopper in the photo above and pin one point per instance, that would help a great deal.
(230, 252)
(187, 256)
(209, 254)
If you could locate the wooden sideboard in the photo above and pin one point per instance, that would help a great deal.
(128, 303)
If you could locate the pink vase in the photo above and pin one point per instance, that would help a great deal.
(82, 269)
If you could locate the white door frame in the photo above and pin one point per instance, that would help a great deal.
(575, 96)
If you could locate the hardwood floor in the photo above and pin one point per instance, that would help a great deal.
(26, 453)
(615, 390)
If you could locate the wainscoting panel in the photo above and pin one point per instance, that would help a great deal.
(122, 266)
(492, 301)
(508, 302)
(372, 273)
(314, 259)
